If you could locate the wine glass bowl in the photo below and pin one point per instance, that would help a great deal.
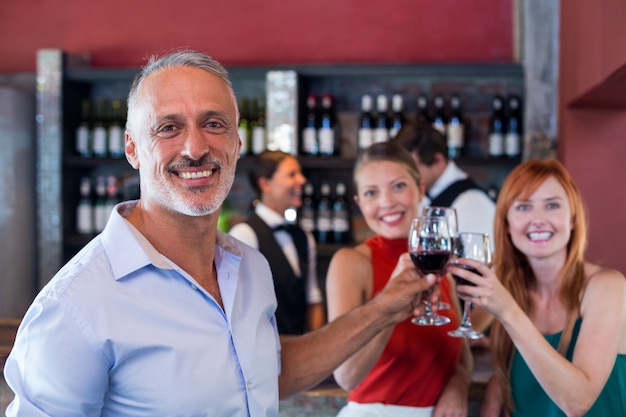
(453, 228)
(430, 250)
(471, 246)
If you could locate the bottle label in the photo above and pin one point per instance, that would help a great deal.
(309, 141)
(381, 135)
(324, 223)
(512, 144)
(307, 222)
(116, 141)
(84, 218)
(455, 135)
(82, 141)
(496, 144)
(258, 140)
(99, 141)
(327, 141)
(340, 222)
(366, 138)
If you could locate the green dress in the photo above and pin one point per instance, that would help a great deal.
(531, 400)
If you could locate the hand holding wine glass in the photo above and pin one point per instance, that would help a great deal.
(472, 246)
(430, 250)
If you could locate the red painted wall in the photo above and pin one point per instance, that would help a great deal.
(119, 33)
(592, 143)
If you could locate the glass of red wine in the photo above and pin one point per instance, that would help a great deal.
(453, 227)
(430, 250)
(473, 246)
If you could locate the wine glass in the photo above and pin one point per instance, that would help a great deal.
(453, 227)
(472, 246)
(430, 250)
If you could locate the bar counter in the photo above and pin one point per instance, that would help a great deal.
(326, 399)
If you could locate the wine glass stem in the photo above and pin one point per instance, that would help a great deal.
(426, 300)
(467, 315)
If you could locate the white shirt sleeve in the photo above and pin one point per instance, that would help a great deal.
(245, 233)
(476, 212)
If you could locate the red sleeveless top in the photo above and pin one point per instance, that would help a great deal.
(418, 361)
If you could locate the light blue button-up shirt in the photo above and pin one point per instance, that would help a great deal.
(123, 331)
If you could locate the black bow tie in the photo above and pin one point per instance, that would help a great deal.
(287, 227)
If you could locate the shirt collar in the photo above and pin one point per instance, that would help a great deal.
(450, 175)
(129, 250)
(269, 216)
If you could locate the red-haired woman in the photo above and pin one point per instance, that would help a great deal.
(559, 340)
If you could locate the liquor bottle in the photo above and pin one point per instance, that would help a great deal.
(381, 132)
(100, 207)
(496, 127)
(326, 132)
(310, 144)
(341, 215)
(323, 223)
(100, 139)
(85, 209)
(84, 132)
(422, 109)
(243, 128)
(366, 123)
(513, 137)
(259, 134)
(397, 117)
(307, 210)
(439, 116)
(116, 130)
(455, 128)
(113, 197)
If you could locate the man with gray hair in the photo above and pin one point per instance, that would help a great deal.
(161, 314)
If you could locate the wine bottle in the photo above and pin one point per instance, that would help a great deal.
(259, 135)
(116, 130)
(366, 123)
(496, 127)
(84, 131)
(323, 223)
(422, 109)
(309, 133)
(326, 132)
(381, 131)
(397, 117)
(513, 137)
(341, 215)
(439, 116)
(85, 209)
(100, 139)
(243, 128)
(307, 210)
(101, 214)
(455, 128)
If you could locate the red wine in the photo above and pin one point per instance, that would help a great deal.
(463, 281)
(432, 261)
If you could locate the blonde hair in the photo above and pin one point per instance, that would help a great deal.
(386, 151)
(513, 269)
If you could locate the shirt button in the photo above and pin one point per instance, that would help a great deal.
(249, 385)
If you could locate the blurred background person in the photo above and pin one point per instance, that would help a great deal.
(408, 369)
(277, 180)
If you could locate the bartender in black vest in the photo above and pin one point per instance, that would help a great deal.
(278, 182)
(447, 185)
